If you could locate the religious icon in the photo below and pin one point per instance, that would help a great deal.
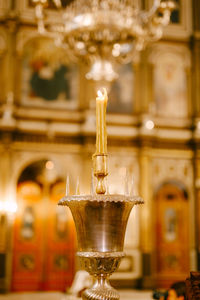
(121, 92)
(47, 83)
(27, 228)
(170, 85)
(47, 76)
(170, 224)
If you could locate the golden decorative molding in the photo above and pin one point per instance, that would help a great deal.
(24, 36)
(3, 41)
(162, 48)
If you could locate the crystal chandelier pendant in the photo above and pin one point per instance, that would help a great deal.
(103, 33)
(102, 70)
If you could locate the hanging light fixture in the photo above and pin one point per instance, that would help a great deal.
(104, 32)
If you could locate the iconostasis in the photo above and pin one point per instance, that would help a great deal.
(48, 117)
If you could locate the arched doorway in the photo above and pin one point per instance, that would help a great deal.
(44, 236)
(172, 234)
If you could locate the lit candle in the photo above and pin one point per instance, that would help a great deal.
(101, 133)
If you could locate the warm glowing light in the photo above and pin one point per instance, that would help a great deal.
(1, 206)
(11, 207)
(149, 124)
(101, 132)
(100, 95)
(49, 165)
(102, 70)
(8, 206)
(198, 125)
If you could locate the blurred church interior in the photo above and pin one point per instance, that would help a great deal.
(47, 131)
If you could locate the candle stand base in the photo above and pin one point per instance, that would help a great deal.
(100, 266)
(100, 222)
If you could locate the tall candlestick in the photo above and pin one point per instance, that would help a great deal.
(101, 132)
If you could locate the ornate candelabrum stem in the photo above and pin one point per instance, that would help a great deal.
(100, 171)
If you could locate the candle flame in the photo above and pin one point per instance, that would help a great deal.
(102, 95)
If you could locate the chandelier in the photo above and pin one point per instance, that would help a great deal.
(103, 33)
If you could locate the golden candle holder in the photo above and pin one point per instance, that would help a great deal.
(100, 221)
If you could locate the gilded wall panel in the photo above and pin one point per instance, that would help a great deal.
(173, 204)
(164, 169)
(124, 178)
(4, 6)
(4, 78)
(122, 90)
(27, 11)
(170, 80)
(67, 163)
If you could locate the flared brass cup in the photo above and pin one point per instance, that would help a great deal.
(100, 222)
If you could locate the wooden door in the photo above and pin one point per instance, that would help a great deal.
(28, 243)
(172, 234)
(60, 242)
(44, 240)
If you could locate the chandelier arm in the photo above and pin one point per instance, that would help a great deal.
(131, 56)
(164, 19)
(146, 15)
